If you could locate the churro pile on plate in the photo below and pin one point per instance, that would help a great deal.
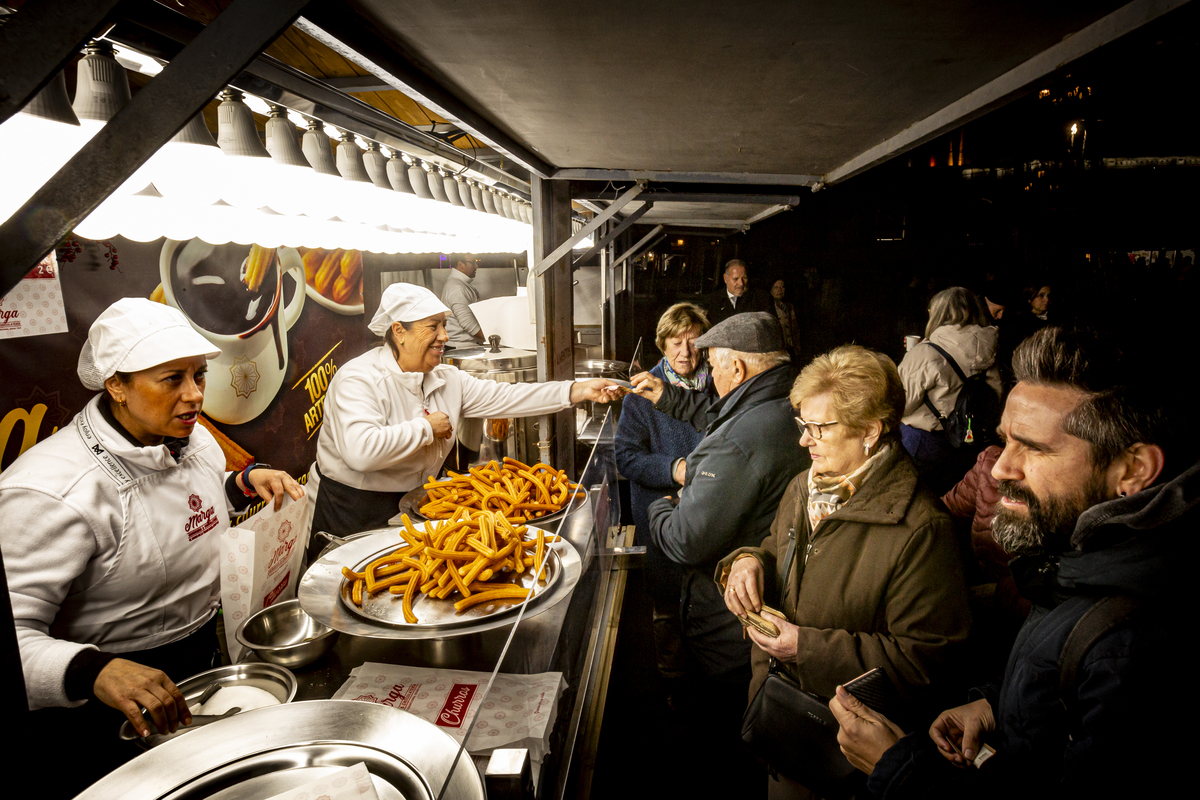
(517, 492)
(470, 553)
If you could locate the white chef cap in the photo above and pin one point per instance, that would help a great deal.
(135, 334)
(405, 302)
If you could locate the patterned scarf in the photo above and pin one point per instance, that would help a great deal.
(697, 381)
(827, 494)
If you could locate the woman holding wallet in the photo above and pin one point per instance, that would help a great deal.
(871, 569)
(111, 536)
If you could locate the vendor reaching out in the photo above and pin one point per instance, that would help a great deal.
(114, 584)
(391, 412)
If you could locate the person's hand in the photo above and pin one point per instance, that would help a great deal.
(958, 732)
(743, 587)
(129, 687)
(647, 386)
(598, 390)
(864, 735)
(783, 646)
(272, 483)
(680, 473)
(442, 429)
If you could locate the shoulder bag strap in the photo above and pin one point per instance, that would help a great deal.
(1098, 620)
(957, 371)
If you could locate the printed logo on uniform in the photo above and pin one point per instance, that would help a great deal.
(200, 522)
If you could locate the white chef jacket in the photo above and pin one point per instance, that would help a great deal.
(461, 324)
(113, 548)
(375, 435)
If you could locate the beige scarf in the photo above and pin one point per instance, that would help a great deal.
(826, 494)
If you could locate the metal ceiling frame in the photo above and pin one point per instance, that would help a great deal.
(155, 114)
(592, 225)
(617, 230)
(656, 235)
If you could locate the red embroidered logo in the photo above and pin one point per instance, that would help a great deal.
(454, 710)
(200, 522)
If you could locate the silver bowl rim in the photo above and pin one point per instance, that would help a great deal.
(280, 648)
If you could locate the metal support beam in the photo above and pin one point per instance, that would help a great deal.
(582, 233)
(706, 197)
(616, 231)
(749, 178)
(770, 212)
(656, 235)
(38, 41)
(137, 131)
(555, 304)
(351, 37)
(999, 91)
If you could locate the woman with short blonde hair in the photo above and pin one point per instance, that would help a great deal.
(873, 576)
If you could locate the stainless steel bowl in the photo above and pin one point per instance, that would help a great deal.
(283, 634)
(270, 678)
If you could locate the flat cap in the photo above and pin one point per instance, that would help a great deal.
(752, 332)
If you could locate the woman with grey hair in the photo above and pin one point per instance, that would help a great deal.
(958, 328)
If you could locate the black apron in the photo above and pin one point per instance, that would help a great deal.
(342, 510)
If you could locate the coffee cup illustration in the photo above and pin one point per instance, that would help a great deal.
(236, 297)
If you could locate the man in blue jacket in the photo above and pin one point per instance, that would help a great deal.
(732, 481)
(1093, 508)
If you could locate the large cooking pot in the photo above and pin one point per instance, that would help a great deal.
(515, 437)
(268, 751)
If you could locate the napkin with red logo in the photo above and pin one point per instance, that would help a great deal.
(260, 564)
(519, 711)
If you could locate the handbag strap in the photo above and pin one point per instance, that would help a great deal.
(957, 370)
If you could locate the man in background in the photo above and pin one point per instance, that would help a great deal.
(735, 297)
(458, 294)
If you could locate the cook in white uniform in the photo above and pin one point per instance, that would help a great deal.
(390, 413)
(462, 327)
(111, 528)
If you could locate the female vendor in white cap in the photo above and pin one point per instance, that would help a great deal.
(390, 413)
(110, 536)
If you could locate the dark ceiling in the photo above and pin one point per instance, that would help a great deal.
(770, 91)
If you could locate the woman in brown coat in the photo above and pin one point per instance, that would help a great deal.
(875, 577)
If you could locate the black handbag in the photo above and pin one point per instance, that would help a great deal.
(795, 732)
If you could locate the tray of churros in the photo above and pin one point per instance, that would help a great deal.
(447, 573)
(518, 492)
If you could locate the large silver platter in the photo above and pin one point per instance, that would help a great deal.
(388, 609)
(412, 501)
(320, 592)
(269, 751)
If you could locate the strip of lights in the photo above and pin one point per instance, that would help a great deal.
(236, 190)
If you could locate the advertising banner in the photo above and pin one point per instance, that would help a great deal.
(284, 320)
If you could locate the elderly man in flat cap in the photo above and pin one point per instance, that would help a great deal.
(732, 482)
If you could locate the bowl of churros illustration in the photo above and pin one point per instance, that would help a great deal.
(333, 278)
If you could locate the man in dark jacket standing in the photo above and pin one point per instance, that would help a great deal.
(1094, 510)
(732, 481)
(735, 297)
